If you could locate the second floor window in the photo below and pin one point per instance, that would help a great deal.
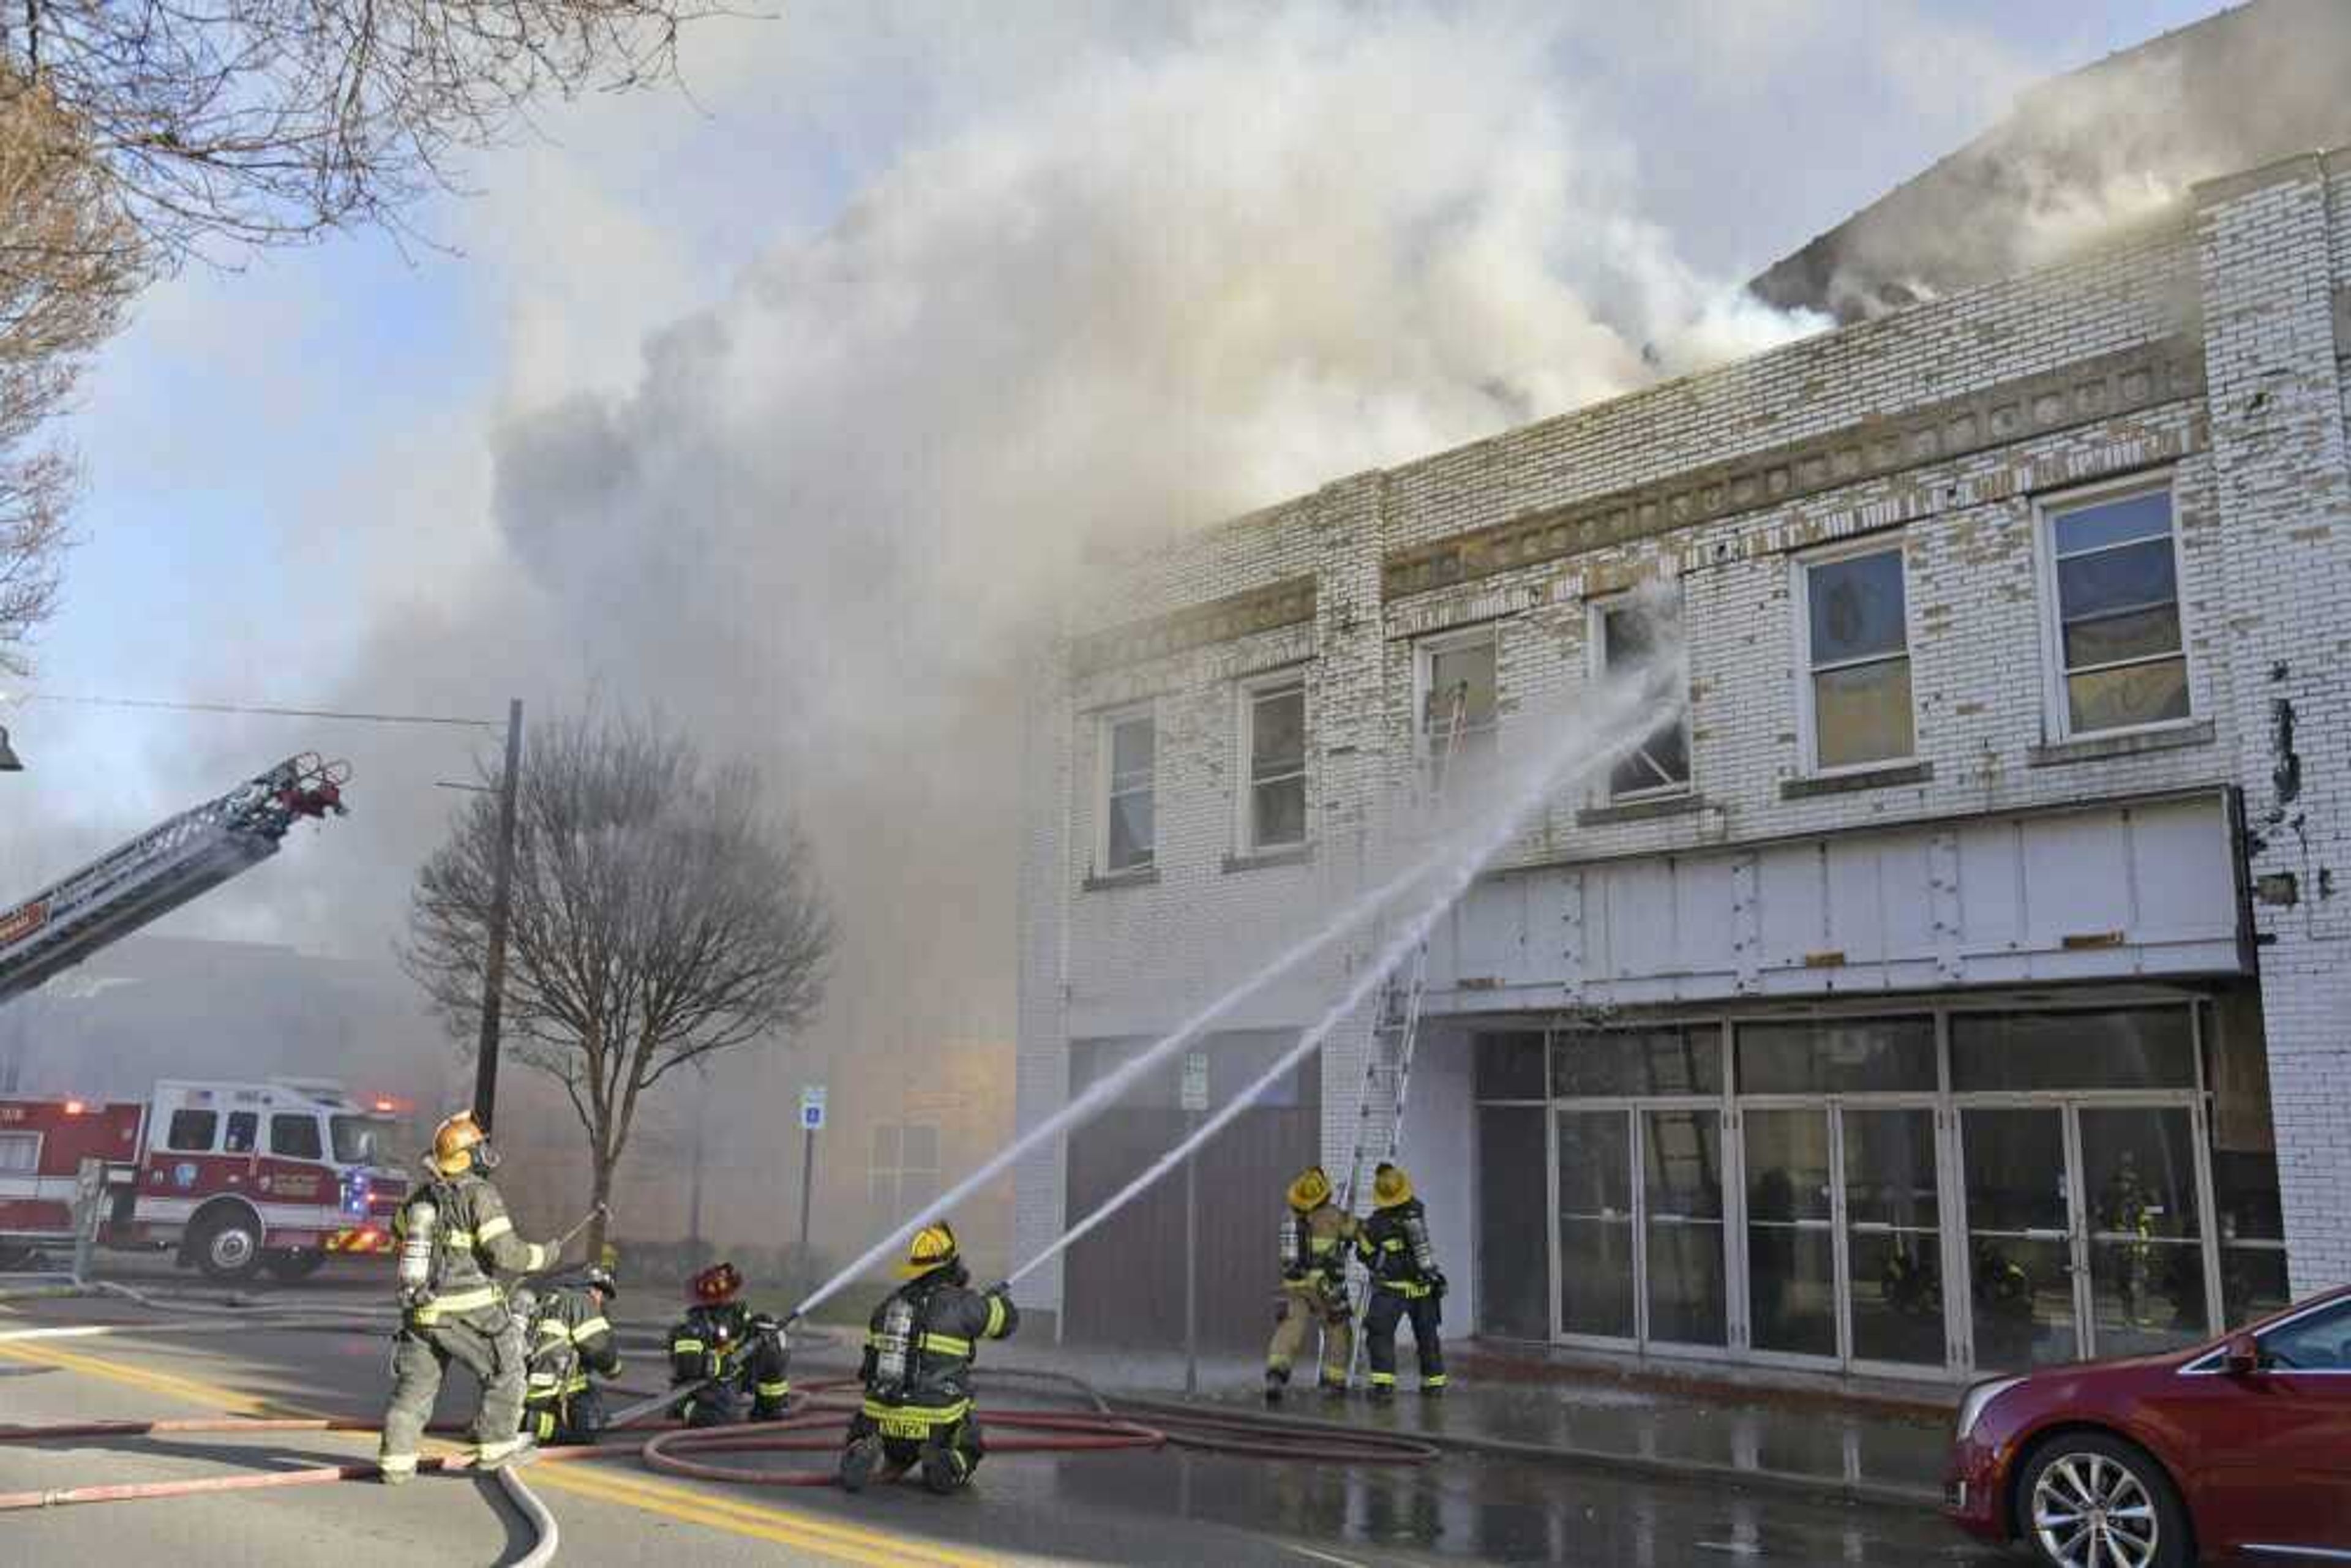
(1130, 743)
(1457, 708)
(1273, 742)
(903, 1173)
(1627, 631)
(1857, 659)
(2116, 600)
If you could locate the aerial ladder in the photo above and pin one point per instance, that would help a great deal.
(163, 868)
(1387, 1066)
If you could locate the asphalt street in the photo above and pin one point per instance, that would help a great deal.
(1163, 1507)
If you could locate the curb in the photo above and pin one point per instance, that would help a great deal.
(1873, 1494)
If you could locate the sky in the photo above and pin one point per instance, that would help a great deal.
(422, 481)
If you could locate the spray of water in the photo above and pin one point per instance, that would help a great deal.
(1645, 696)
(1101, 1094)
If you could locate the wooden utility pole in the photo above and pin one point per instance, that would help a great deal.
(493, 963)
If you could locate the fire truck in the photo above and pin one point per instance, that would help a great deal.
(236, 1178)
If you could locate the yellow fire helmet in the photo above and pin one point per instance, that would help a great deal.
(454, 1142)
(1310, 1191)
(934, 1247)
(1391, 1185)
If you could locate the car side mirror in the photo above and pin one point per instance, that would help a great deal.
(2242, 1356)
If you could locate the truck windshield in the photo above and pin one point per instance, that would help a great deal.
(361, 1140)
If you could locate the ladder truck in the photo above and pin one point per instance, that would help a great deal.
(190, 1167)
(164, 868)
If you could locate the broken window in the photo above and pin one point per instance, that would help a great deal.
(1457, 708)
(1628, 631)
(1129, 756)
(2117, 602)
(1857, 657)
(1273, 739)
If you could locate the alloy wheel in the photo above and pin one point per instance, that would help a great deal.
(2093, 1511)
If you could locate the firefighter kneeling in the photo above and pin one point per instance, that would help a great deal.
(738, 1356)
(454, 1238)
(568, 1337)
(1406, 1281)
(918, 1370)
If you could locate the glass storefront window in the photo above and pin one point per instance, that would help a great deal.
(2146, 1255)
(1893, 1239)
(2252, 1234)
(1595, 1223)
(1683, 1059)
(1682, 1191)
(1510, 1066)
(2124, 1048)
(1513, 1274)
(1790, 1245)
(1837, 1056)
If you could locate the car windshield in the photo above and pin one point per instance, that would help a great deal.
(361, 1140)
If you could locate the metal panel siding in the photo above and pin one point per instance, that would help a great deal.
(1490, 931)
(1703, 905)
(2076, 877)
(1792, 893)
(1641, 939)
(1856, 899)
(1991, 887)
(2181, 864)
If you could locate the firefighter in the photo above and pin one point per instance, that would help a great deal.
(1314, 1238)
(734, 1356)
(918, 1370)
(2130, 1214)
(566, 1338)
(455, 1239)
(1405, 1283)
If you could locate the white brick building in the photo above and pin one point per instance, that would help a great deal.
(1985, 923)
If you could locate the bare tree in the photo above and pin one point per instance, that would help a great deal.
(661, 913)
(68, 264)
(261, 123)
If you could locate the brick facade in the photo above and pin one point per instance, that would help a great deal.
(2207, 346)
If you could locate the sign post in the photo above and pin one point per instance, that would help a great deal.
(1194, 1103)
(812, 1124)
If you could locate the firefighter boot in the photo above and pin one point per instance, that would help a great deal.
(1277, 1378)
(859, 1462)
(497, 1455)
(943, 1466)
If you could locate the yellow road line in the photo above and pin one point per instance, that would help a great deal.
(754, 1521)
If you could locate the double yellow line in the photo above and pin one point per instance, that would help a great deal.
(844, 1542)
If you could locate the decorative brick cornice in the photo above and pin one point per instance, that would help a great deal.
(2125, 382)
(1278, 604)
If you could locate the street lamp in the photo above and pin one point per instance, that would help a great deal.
(8, 763)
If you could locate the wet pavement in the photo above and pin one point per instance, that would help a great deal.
(1161, 1507)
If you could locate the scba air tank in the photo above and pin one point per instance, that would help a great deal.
(893, 1346)
(1415, 1231)
(416, 1248)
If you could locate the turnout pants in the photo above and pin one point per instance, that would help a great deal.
(421, 1358)
(956, 1447)
(1295, 1315)
(566, 1418)
(1387, 1307)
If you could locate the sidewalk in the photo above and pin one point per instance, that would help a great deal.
(1815, 1444)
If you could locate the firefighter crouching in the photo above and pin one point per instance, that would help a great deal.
(1405, 1283)
(919, 1349)
(1314, 1237)
(567, 1339)
(739, 1357)
(455, 1239)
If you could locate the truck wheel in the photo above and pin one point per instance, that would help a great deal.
(228, 1247)
(289, 1268)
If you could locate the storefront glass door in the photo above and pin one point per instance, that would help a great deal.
(2020, 1236)
(2147, 1288)
(1596, 1234)
(1893, 1235)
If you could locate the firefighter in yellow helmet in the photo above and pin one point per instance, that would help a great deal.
(454, 1240)
(1314, 1238)
(918, 1370)
(1405, 1283)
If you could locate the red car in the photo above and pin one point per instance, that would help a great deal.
(2237, 1448)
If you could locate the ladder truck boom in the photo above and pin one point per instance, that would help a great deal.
(163, 868)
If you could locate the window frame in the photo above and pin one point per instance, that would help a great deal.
(897, 1170)
(1801, 597)
(1596, 643)
(22, 1137)
(2057, 707)
(1106, 724)
(1425, 652)
(1248, 693)
(171, 1144)
(318, 1141)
